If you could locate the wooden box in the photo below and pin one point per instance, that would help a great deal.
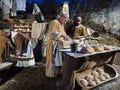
(64, 44)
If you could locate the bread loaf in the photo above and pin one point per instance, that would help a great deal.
(100, 71)
(97, 81)
(84, 82)
(98, 48)
(107, 76)
(95, 74)
(87, 49)
(89, 77)
(91, 83)
(106, 47)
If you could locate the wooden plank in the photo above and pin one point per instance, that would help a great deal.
(5, 65)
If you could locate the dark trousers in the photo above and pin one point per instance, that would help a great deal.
(38, 51)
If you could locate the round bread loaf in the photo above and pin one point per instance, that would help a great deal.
(89, 77)
(98, 48)
(106, 75)
(84, 82)
(100, 71)
(106, 47)
(87, 49)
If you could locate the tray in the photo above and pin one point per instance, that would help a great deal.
(109, 69)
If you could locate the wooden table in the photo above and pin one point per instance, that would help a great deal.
(75, 61)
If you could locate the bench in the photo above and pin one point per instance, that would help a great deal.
(5, 65)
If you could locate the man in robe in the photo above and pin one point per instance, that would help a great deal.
(56, 32)
(77, 29)
(38, 13)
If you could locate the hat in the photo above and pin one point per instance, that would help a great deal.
(64, 15)
(79, 18)
(6, 30)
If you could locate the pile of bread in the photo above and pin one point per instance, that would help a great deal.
(94, 78)
(95, 48)
(22, 28)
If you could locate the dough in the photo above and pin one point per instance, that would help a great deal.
(84, 82)
(87, 49)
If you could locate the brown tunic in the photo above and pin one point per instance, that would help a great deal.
(80, 31)
(20, 42)
(3, 41)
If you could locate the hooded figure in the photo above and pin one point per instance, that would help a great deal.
(38, 14)
(21, 47)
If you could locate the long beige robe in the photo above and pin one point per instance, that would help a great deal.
(54, 25)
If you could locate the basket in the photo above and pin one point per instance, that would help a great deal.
(109, 69)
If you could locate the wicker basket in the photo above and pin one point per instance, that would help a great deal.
(106, 68)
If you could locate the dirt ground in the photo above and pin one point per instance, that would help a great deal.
(34, 79)
(27, 79)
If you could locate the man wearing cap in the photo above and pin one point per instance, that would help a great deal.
(56, 32)
(77, 29)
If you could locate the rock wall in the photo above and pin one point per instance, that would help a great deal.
(112, 15)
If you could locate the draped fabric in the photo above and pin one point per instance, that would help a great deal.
(8, 3)
(6, 6)
(38, 30)
(21, 5)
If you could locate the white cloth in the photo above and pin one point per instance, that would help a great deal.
(21, 5)
(36, 9)
(29, 54)
(8, 3)
(57, 54)
(13, 35)
(38, 30)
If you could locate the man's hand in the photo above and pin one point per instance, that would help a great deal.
(18, 53)
(66, 37)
